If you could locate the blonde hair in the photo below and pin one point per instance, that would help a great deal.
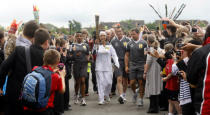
(181, 31)
(168, 47)
(152, 39)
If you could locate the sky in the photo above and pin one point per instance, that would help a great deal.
(58, 12)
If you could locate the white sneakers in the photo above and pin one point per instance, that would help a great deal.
(83, 102)
(134, 100)
(77, 101)
(101, 103)
(140, 103)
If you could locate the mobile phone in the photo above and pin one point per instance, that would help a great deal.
(61, 66)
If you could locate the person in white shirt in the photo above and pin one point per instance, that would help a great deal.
(104, 70)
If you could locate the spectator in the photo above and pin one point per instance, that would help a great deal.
(1, 46)
(26, 39)
(152, 75)
(198, 74)
(16, 62)
(51, 59)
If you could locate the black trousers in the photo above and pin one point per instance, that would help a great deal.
(154, 103)
(87, 84)
(94, 76)
(114, 83)
(46, 112)
(188, 109)
(14, 106)
(59, 102)
(163, 103)
(67, 93)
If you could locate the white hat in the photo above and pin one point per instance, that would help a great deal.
(102, 33)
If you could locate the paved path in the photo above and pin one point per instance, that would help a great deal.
(113, 108)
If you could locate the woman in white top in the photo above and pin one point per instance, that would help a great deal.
(104, 72)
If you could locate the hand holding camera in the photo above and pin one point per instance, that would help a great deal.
(62, 70)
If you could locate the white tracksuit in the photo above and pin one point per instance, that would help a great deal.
(104, 72)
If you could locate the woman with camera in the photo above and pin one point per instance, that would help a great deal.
(152, 75)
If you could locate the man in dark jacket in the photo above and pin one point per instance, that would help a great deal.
(1, 46)
(197, 76)
(16, 63)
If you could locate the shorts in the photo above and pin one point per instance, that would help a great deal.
(80, 70)
(172, 95)
(121, 71)
(136, 74)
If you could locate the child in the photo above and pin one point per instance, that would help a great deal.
(51, 60)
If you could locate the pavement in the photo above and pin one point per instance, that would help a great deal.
(113, 108)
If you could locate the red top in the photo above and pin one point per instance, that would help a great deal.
(172, 83)
(56, 85)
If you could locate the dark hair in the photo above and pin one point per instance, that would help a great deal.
(57, 42)
(62, 42)
(135, 30)
(30, 28)
(41, 36)
(196, 42)
(207, 33)
(172, 29)
(78, 32)
(1, 34)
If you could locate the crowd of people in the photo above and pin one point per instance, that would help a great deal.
(36, 66)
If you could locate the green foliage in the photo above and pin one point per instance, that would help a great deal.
(74, 26)
(127, 25)
(1, 27)
(63, 30)
(152, 26)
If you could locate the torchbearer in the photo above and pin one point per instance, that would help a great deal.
(104, 72)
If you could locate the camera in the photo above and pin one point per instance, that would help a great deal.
(165, 22)
(179, 45)
(178, 53)
(179, 74)
(194, 30)
(60, 66)
(64, 49)
(168, 54)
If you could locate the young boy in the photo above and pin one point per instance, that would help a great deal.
(51, 60)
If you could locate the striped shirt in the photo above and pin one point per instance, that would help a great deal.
(184, 90)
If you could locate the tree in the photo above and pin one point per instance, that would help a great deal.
(1, 27)
(127, 25)
(152, 26)
(74, 26)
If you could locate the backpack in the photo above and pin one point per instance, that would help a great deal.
(36, 88)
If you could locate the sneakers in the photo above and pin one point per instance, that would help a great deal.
(101, 103)
(134, 100)
(108, 100)
(140, 103)
(124, 99)
(120, 100)
(76, 100)
(83, 102)
(123, 96)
